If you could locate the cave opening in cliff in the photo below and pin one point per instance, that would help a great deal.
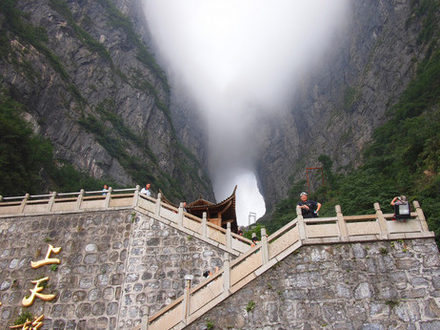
(248, 196)
(238, 65)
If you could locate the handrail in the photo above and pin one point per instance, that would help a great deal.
(124, 198)
(282, 243)
(75, 193)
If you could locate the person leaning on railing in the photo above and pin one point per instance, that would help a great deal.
(309, 209)
(146, 190)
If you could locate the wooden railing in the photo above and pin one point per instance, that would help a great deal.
(125, 199)
(237, 273)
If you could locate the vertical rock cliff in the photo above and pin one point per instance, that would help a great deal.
(90, 84)
(343, 99)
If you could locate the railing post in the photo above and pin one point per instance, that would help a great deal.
(227, 273)
(180, 215)
(51, 201)
(382, 222)
(228, 236)
(158, 202)
(23, 203)
(264, 246)
(301, 224)
(186, 298)
(204, 225)
(107, 198)
(79, 199)
(421, 216)
(342, 225)
(136, 196)
(145, 321)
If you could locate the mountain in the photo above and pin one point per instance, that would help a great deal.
(383, 141)
(346, 97)
(83, 101)
(81, 75)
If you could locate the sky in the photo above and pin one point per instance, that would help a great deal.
(240, 60)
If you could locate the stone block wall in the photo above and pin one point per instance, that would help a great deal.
(379, 285)
(113, 265)
(158, 259)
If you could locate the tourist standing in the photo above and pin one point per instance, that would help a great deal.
(309, 209)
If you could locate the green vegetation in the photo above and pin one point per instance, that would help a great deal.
(209, 325)
(23, 317)
(392, 303)
(14, 26)
(36, 36)
(118, 20)
(426, 11)
(111, 133)
(402, 158)
(22, 154)
(254, 229)
(350, 96)
(250, 306)
(93, 45)
(27, 163)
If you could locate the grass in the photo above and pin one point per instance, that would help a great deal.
(250, 306)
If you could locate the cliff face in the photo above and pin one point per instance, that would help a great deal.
(341, 102)
(91, 86)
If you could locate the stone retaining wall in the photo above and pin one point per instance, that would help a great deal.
(113, 265)
(379, 285)
(158, 259)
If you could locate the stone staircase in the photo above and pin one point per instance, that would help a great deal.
(120, 199)
(299, 232)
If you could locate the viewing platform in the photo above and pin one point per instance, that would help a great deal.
(120, 199)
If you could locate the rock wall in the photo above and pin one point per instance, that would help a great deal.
(158, 259)
(379, 285)
(90, 84)
(113, 265)
(344, 97)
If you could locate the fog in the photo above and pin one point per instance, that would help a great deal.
(240, 60)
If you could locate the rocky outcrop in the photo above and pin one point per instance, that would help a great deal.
(341, 102)
(92, 87)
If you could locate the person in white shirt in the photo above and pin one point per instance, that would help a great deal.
(146, 190)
